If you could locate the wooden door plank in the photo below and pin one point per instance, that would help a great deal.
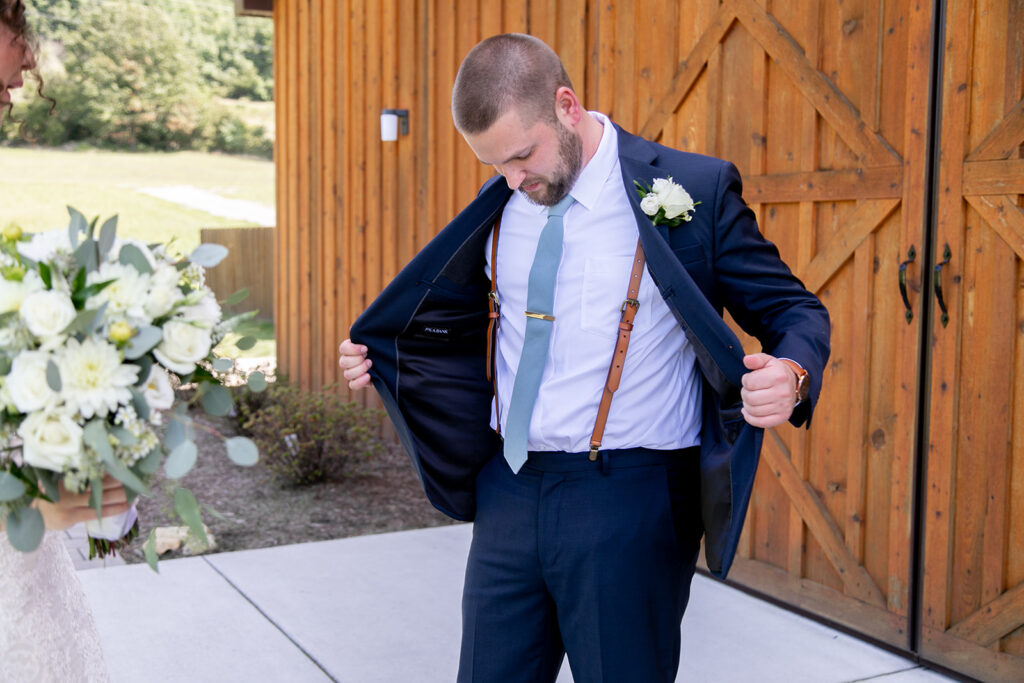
(867, 216)
(994, 620)
(825, 186)
(688, 71)
(859, 397)
(1002, 214)
(994, 177)
(1004, 139)
(973, 660)
(856, 580)
(834, 107)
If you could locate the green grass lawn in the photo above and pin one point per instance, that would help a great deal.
(40, 183)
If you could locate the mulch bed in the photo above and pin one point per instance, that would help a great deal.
(250, 509)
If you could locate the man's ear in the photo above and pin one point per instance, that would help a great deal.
(567, 106)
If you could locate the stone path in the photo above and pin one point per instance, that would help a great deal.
(195, 198)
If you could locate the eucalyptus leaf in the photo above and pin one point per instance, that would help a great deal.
(216, 400)
(177, 432)
(257, 382)
(76, 227)
(53, 375)
(131, 481)
(139, 403)
(151, 463)
(208, 255)
(236, 298)
(95, 437)
(11, 488)
(48, 481)
(142, 342)
(223, 364)
(149, 549)
(90, 233)
(123, 436)
(131, 255)
(87, 256)
(242, 451)
(181, 460)
(5, 365)
(82, 322)
(188, 509)
(46, 275)
(96, 496)
(107, 235)
(25, 529)
(145, 364)
(246, 342)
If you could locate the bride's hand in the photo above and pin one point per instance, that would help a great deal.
(73, 508)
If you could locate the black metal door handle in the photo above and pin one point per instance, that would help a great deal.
(946, 255)
(911, 256)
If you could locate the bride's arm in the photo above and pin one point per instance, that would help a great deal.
(73, 508)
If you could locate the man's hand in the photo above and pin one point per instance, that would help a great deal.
(354, 362)
(73, 508)
(769, 391)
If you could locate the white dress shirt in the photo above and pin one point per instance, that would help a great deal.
(657, 404)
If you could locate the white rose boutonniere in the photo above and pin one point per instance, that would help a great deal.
(666, 202)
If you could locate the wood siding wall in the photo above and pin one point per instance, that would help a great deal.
(249, 265)
(825, 109)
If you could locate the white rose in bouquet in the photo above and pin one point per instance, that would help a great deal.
(94, 380)
(205, 312)
(26, 382)
(47, 314)
(164, 292)
(157, 390)
(51, 440)
(183, 345)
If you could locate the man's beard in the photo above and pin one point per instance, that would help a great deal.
(570, 161)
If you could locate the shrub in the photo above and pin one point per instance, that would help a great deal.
(309, 437)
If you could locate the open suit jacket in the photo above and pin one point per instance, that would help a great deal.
(427, 333)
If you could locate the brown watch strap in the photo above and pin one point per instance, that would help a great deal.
(803, 380)
(629, 309)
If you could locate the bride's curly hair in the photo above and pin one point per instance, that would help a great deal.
(12, 14)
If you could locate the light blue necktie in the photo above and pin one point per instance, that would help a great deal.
(540, 303)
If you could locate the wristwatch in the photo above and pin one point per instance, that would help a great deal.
(803, 381)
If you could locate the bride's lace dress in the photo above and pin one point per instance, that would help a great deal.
(47, 632)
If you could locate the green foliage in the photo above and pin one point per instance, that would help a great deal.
(307, 437)
(145, 74)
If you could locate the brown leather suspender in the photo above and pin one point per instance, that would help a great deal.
(629, 309)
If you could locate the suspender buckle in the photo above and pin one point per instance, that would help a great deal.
(593, 452)
(630, 302)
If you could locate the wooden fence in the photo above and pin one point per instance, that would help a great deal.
(249, 265)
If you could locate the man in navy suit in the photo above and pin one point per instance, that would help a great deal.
(587, 518)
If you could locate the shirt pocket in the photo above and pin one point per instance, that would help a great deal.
(605, 281)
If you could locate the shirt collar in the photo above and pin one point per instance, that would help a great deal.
(592, 178)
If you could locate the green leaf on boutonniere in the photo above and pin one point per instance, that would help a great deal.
(188, 509)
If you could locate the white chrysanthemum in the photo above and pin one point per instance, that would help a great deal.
(45, 246)
(26, 383)
(164, 292)
(125, 296)
(47, 313)
(94, 381)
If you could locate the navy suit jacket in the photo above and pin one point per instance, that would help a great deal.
(426, 335)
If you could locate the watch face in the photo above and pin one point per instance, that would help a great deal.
(803, 387)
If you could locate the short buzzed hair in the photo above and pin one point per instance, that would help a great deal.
(502, 72)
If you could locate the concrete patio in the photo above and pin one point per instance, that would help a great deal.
(386, 608)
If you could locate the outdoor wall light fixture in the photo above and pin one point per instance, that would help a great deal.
(389, 119)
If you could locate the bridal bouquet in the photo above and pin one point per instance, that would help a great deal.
(92, 330)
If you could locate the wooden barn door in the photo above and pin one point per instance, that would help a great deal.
(973, 588)
(824, 107)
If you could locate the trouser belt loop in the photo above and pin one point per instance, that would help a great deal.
(604, 463)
